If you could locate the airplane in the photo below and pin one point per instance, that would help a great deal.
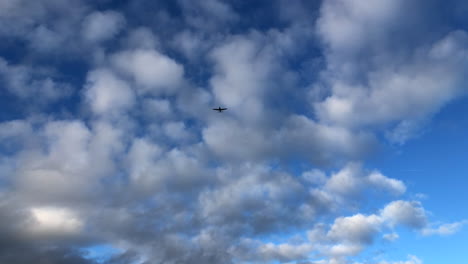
(219, 109)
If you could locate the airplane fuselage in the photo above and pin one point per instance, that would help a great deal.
(219, 109)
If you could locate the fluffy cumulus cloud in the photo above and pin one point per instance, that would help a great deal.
(152, 71)
(108, 140)
(406, 213)
(107, 93)
(366, 65)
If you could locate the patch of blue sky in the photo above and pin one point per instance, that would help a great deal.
(434, 164)
(101, 253)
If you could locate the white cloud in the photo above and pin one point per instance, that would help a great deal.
(425, 82)
(385, 183)
(241, 79)
(391, 237)
(55, 221)
(231, 140)
(58, 173)
(344, 250)
(142, 38)
(352, 179)
(157, 108)
(251, 79)
(404, 131)
(191, 45)
(314, 176)
(141, 158)
(376, 81)
(106, 93)
(176, 131)
(444, 229)
(346, 25)
(406, 213)
(347, 181)
(27, 82)
(154, 72)
(349, 236)
(124, 164)
(356, 229)
(101, 26)
(67, 161)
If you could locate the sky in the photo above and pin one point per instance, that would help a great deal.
(344, 141)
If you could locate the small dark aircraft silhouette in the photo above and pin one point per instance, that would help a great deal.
(219, 109)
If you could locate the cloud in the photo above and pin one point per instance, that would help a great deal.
(107, 93)
(176, 131)
(140, 158)
(208, 15)
(259, 196)
(241, 80)
(191, 45)
(406, 213)
(411, 260)
(297, 137)
(349, 236)
(49, 17)
(392, 185)
(245, 142)
(157, 108)
(142, 38)
(26, 83)
(154, 73)
(391, 237)
(444, 229)
(101, 26)
(375, 81)
(346, 236)
(355, 229)
(347, 25)
(46, 40)
(351, 179)
(66, 161)
(346, 181)
(117, 144)
(284, 252)
(55, 220)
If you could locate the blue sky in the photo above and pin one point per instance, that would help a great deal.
(343, 142)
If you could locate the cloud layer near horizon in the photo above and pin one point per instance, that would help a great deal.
(108, 137)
